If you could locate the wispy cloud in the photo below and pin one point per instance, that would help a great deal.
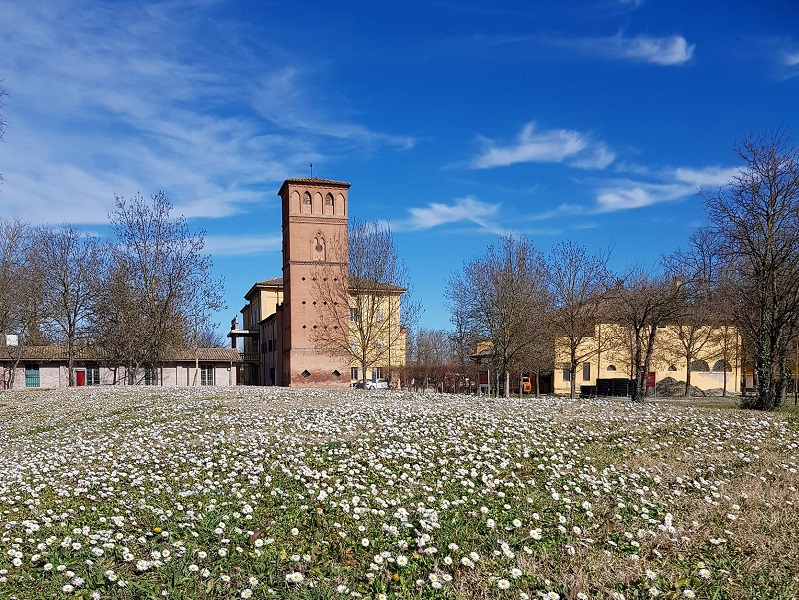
(468, 209)
(111, 97)
(675, 184)
(665, 51)
(236, 245)
(290, 100)
(541, 146)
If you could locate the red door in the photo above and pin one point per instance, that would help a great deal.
(80, 378)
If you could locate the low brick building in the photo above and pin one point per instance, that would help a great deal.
(46, 367)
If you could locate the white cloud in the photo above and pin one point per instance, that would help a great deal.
(709, 176)
(671, 50)
(625, 196)
(466, 209)
(541, 146)
(288, 99)
(237, 245)
(675, 184)
(110, 97)
(666, 51)
(791, 59)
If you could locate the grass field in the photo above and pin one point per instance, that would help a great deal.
(273, 493)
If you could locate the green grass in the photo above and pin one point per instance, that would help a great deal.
(265, 493)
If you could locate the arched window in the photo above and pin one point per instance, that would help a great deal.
(610, 368)
(329, 208)
(700, 366)
(306, 203)
(722, 365)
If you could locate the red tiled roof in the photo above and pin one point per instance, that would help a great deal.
(315, 180)
(83, 353)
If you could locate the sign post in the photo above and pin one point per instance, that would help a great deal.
(650, 382)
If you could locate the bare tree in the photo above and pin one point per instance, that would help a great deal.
(576, 282)
(162, 283)
(643, 303)
(756, 219)
(540, 357)
(209, 336)
(117, 319)
(429, 359)
(374, 284)
(69, 264)
(694, 330)
(20, 294)
(503, 297)
(463, 340)
(703, 319)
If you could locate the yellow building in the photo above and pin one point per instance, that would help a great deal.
(714, 364)
(377, 338)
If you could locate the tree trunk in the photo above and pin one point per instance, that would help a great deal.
(763, 371)
(636, 371)
(573, 374)
(688, 358)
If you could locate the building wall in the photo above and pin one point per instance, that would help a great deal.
(314, 238)
(263, 300)
(390, 356)
(610, 352)
(55, 375)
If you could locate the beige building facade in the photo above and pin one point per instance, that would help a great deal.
(714, 364)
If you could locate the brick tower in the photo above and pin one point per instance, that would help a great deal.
(314, 237)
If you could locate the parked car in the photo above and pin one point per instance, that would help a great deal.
(380, 384)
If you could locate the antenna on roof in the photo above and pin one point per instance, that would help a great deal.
(311, 165)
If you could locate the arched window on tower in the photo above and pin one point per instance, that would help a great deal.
(306, 203)
(329, 208)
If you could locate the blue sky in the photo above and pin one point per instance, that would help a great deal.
(455, 122)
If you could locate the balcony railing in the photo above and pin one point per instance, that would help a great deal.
(250, 357)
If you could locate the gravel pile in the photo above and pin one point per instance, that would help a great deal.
(672, 388)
